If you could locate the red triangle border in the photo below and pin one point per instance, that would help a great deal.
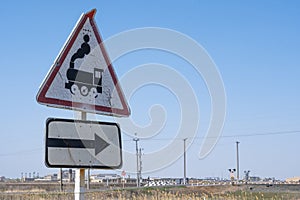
(41, 97)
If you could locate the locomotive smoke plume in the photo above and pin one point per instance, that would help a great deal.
(81, 52)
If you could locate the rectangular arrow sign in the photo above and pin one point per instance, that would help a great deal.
(83, 144)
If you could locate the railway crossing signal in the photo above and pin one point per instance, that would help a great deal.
(82, 77)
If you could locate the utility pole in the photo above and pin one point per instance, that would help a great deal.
(184, 162)
(140, 166)
(137, 162)
(237, 162)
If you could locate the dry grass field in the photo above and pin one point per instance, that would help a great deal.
(246, 192)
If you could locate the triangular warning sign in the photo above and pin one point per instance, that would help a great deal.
(82, 77)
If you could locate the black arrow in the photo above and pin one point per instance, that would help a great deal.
(98, 143)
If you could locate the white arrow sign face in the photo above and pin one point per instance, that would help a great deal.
(82, 77)
(83, 144)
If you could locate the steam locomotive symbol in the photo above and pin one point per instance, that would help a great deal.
(81, 80)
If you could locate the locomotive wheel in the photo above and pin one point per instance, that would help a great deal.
(74, 89)
(84, 90)
(94, 92)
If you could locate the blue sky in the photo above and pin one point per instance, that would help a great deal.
(255, 45)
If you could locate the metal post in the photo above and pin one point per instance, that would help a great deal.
(137, 162)
(80, 176)
(61, 179)
(184, 162)
(237, 162)
(88, 179)
(70, 175)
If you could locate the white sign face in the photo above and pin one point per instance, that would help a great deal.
(83, 144)
(82, 77)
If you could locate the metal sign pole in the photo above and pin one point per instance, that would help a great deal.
(80, 175)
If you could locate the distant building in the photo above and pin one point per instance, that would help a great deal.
(100, 178)
(2, 178)
(254, 178)
(67, 175)
(293, 180)
(26, 179)
(51, 177)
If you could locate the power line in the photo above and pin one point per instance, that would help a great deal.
(260, 134)
(223, 136)
(30, 151)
